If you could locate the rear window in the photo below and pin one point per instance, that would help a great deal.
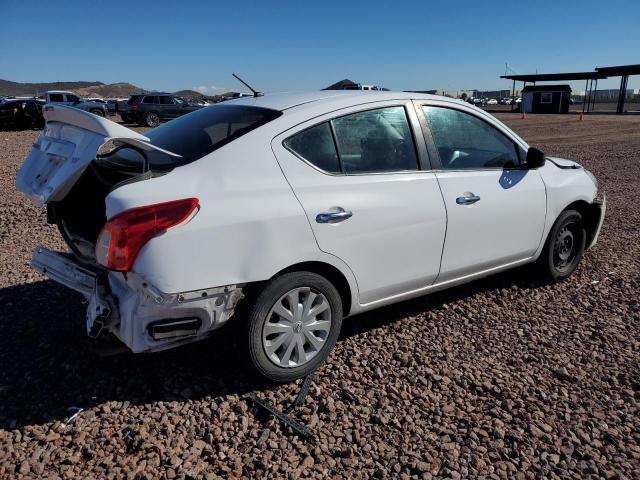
(199, 133)
(150, 100)
(56, 97)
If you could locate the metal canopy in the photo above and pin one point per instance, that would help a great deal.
(550, 77)
(620, 70)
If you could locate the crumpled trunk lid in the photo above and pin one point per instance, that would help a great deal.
(69, 142)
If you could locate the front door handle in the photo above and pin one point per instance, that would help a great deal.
(337, 216)
(467, 199)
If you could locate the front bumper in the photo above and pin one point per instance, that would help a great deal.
(140, 315)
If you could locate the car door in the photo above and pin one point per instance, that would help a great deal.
(183, 106)
(364, 181)
(495, 208)
(7, 113)
(71, 99)
(168, 107)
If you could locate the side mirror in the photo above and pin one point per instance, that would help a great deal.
(535, 158)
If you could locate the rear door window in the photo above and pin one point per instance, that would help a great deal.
(378, 140)
(373, 141)
(56, 97)
(317, 147)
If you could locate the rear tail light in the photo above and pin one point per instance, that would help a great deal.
(134, 104)
(124, 235)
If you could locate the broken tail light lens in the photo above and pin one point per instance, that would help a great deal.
(122, 237)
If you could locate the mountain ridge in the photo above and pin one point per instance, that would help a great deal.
(84, 88)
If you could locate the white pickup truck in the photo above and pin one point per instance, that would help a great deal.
(73, 100)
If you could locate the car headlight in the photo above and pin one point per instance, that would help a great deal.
(592, 177)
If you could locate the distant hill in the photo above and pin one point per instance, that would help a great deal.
(98, 89)
(85, 89)
(189, 94)
(16, 88)
(109, 90)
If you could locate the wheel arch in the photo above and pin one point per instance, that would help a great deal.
(331, 273)
(590, 216)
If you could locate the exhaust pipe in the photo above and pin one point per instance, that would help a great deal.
(174, 328)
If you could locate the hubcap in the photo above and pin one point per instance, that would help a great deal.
(297, 327)
(154, 120)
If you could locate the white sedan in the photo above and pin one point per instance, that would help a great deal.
(289, 212)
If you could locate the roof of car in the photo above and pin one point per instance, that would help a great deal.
(152, 94)
(18, 100)
(286, 100)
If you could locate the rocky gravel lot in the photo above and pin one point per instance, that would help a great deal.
(503, 378)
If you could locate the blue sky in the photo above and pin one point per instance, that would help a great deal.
(283, 45)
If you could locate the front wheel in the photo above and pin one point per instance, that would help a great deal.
(565, 246)
(293, 324)
(97, 111)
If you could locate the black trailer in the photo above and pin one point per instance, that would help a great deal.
(546, 99)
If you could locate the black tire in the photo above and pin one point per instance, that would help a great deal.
(97, 111)
(260, 305)
(564, 247)
(152, 119)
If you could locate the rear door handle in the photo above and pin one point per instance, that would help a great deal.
(340, 215)
(467, 199)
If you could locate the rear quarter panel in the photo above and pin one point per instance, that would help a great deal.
(249, 226)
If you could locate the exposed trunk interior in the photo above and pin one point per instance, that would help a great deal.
(81, 215)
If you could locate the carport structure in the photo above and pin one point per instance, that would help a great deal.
(590, 77)
(622, 71)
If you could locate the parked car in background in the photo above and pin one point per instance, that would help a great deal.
(21, 113)
(505, 101)
(198, 102)
(492, 101)
(153, 108)
(68, 98)
(116, 105)
(298, 209)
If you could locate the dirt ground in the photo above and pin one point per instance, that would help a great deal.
(506, 377)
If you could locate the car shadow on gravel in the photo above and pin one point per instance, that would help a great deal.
(51, 366)
(521, 278)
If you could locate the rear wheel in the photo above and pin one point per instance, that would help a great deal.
(565, 246)
(293, 324)
(152, 119)
(97, 111)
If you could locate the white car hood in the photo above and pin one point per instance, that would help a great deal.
(68, 143)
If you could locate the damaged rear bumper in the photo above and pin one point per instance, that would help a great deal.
(141, 316)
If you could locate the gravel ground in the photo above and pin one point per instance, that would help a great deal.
(502, 378)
